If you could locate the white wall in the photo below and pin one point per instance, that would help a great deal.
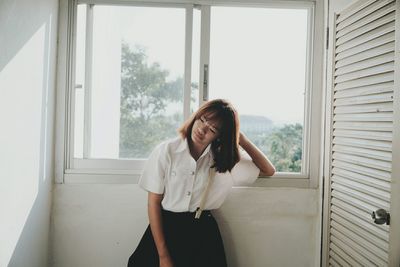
(28, 32)
(101, 225)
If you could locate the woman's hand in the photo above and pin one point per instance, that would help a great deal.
(166, 261)
(261, 160)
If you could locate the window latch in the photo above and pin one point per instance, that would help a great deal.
(205, 83)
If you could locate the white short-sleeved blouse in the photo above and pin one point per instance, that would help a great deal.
(172, 171)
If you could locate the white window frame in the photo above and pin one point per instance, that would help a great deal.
(72, 170)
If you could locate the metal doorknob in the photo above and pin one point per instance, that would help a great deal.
(381, 216)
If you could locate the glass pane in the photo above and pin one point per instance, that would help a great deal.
(137, 79)
(258, 61)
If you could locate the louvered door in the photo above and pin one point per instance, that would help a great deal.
(362, 124)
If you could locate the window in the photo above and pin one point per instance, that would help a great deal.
(140, 70)
(253, 51)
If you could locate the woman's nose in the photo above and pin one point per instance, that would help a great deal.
(201, 129)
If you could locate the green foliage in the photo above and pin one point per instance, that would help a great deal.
(145, 95)
(285, 147)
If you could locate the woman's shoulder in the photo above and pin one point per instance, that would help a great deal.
(171, 145)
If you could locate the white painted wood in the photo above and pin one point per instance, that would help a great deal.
(377, 174)
(394, 234)
(386, 38)
(366, 90)
(350, 15)
(373, 126)
(388, 67)
(371, 17)
(363, 179)
(382, 30)
(87, 125)
(388, 47)
(388, 57)
(188, 62)
(365, 28)
(361, 143)
(366, 107)
(376, 79)
(204, 48)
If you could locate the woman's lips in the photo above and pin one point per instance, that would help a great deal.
(197, 135)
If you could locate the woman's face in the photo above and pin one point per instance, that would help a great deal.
(204, 131)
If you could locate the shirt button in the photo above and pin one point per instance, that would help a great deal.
(188, 193)
(192, 172)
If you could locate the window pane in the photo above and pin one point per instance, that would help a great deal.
(258, 61)
(137, 79)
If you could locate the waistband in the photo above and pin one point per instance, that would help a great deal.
(187, 214)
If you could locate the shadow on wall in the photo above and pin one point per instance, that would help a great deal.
(28, 31)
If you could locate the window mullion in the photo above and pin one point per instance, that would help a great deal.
(187, 90)
(204, 51)
(88, 81)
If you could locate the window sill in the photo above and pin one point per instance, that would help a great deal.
(123, 177)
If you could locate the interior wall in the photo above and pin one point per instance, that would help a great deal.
(101, 225)
(28, 31)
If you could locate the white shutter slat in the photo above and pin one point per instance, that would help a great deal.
(382, 40)
(378, 174)
(387, 67)
(364, 152)
(364, 64)
(358, 195)
(367, 19)
(384, 136)
(365, 179)
(337, 259)
(365, 108)
(343, 255)
(365, 256)
(369, 80)
(365, 90)
(349, 248)
(378, 116)
(362, 10)
(362, 161)
(366, 189)
(386, 28)
(348, 35)
(367, 126)
(363, 102)
(371, 53)
(370, 245)
(349, 220)
(371, 144)
(356, 207)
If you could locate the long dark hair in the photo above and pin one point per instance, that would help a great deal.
(226, 147)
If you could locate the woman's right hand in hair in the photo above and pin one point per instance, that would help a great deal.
(166, 261)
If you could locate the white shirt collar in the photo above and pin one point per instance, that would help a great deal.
(183, 145)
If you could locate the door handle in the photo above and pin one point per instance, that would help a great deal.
(381, 216)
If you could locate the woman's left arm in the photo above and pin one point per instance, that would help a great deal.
(261, 161)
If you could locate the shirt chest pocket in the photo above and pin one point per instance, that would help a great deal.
(177, 175)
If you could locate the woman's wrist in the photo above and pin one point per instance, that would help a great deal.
(242, 139)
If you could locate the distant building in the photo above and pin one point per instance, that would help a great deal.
(251, 124)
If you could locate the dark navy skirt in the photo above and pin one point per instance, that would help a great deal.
(191, 242)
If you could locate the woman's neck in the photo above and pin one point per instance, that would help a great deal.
(196, 150)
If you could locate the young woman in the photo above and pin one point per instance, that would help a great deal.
(195, 172)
